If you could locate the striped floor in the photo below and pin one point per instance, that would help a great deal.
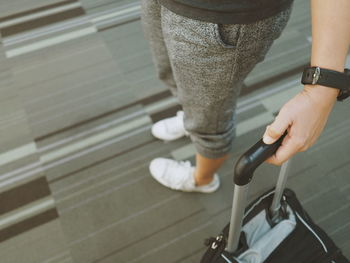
(78, 95)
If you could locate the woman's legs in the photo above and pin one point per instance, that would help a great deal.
(209, 63)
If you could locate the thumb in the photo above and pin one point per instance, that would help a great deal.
(275, 130)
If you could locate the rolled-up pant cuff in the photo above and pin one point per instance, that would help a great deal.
(213, 154)
(214, 146)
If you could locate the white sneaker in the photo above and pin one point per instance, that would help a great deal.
(171, 128)
(179, 176)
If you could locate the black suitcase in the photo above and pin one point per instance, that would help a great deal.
(272, 229)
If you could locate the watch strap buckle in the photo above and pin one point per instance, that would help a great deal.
(316, 75)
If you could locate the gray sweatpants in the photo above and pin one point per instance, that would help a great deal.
(204, 65)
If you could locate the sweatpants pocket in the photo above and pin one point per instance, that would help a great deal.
(227, 35)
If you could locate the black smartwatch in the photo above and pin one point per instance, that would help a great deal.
(328, 78)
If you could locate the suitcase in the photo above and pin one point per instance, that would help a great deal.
(274, 227)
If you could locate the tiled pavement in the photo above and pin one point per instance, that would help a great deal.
(78, 96)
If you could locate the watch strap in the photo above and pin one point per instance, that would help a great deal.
(328, 78)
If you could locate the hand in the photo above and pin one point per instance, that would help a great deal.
(304, 117)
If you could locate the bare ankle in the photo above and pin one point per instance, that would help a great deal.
(203, 181)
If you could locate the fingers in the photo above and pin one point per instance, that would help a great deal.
(276, 129)
(288, 148)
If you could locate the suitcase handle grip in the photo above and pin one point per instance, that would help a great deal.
(252, 158)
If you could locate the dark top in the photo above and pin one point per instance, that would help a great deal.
(227, 11)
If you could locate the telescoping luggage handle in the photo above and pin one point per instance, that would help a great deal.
(244, 171)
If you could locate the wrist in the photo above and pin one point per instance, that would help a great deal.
(324, 95)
